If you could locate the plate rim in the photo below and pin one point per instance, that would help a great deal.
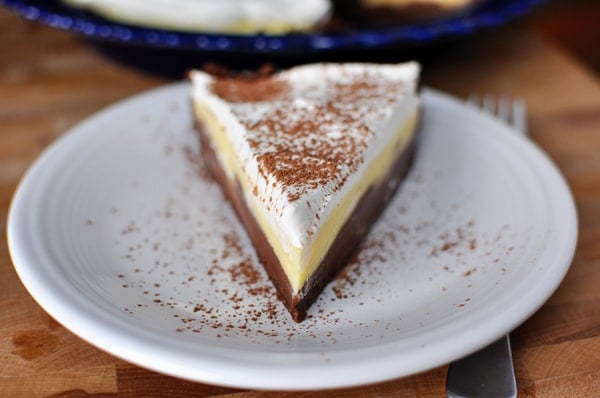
(142, 352)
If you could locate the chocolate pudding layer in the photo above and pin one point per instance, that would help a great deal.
(345, 245)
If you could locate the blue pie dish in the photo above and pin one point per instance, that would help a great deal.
(490, 13)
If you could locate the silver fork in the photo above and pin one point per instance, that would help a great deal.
(511, 111)
(489, 372)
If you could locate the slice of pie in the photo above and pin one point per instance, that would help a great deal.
(308, 157)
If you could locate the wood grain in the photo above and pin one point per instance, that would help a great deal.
(50, 80)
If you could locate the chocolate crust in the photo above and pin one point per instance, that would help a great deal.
(343, 248)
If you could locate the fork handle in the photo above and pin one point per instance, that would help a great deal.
(486, 373)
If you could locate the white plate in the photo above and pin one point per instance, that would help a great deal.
(116, 235)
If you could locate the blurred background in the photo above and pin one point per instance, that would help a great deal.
(574, 25)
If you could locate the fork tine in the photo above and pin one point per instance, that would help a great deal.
(519, 116)
(512, 112)
(504, 110)
(489, 103)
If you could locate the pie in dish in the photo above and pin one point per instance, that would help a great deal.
(271, 17)
(308, 157)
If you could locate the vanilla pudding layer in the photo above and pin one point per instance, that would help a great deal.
(363, 116)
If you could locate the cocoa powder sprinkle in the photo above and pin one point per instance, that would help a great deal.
(239, 89)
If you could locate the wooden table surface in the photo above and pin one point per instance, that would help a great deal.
(50, 80)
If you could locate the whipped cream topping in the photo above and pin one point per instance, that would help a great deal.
(233, 16)
(305, 138)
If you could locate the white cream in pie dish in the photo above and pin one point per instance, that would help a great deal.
(221, 16)
(305, 151)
